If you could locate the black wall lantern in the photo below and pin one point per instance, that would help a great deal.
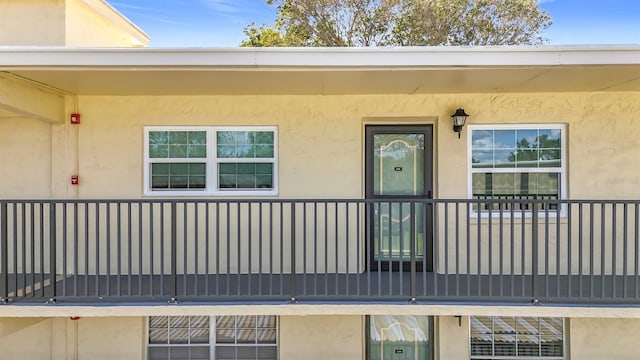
(459, 118)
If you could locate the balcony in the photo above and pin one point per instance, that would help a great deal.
(508, 251)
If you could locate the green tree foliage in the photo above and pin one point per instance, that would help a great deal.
(401, 23)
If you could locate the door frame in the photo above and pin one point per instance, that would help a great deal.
(370, 130)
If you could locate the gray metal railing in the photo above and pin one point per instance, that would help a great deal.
(431, 250)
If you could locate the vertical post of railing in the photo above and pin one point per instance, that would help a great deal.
(52, 248)
(534, 248)
(293, 251)
(412, 246)
(174, 251)
(4, 276)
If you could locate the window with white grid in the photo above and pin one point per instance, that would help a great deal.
(516, 338)
(247, 337)
(517, 162)
(206, 160)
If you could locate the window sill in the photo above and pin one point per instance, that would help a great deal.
(223, 193)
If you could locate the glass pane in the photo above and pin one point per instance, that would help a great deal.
(504, 159)
(530, 148)
(246, 336)
(527, 158)
(158, 137)
(264, 151)
(551, 345)
(177, 144)
(482, 139)
(512, 337)
(515, 185)
(197, 137)
(267, 353)
(264, 137)
(245, 176)
(225, 336)
(267, 336)
(158, 353)
(158, 151)
(158, 321)
(503, 184)
(177, 151)
(481, 325)
(199, 336)
(179, 335)
(392, 231)
(246, 321)
(178, 137)
(399, 337)
(245, 144)
(504, 139)
(178, 176)
(225, 352)
(158, 336)
(268, 321)
(245, 151)
(527, 139)
(398, 164)
(198, 353)
(226, 322)
(197, 151)
(179, 321)
(482, 158)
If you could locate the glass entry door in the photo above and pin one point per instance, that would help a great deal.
(400, 337)
(398, 176)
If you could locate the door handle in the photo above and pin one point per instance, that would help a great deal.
(429, 196)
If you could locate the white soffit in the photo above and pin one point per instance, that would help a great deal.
(412, 70)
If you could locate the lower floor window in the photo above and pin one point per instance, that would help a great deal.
(400, 337)
(510, 338)
(213, 337)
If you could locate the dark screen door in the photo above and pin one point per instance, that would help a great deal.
(399, 174)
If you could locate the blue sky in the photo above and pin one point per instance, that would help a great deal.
(219, 23)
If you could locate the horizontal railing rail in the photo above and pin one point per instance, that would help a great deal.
(321, 250)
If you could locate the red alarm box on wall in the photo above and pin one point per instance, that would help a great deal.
(74, 180)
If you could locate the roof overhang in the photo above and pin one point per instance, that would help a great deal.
(327, 71)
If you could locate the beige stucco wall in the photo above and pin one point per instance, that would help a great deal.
(592, 339)
(32, 22)
(321, 137)
(63, 338)
(66, 23)
(321, 150)
(94, 23)
(452, 338)
(25, 148)
(321, 337)
(309, 337)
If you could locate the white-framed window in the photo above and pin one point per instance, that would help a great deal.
(231, 337)
(516, 337)
(517, 162)
(201, 160)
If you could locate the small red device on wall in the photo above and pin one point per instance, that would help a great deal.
(74, 180)
(75, 118)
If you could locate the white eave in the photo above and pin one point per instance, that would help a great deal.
(309, 71)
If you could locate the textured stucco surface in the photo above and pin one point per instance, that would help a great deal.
(63, 338)
(32, 22)
(592, 339)
(321, 337)
(321, 137)
(321, 141)
(65, 23)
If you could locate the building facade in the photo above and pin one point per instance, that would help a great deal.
(317, 204)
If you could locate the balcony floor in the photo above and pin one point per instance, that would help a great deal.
(328, 288)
